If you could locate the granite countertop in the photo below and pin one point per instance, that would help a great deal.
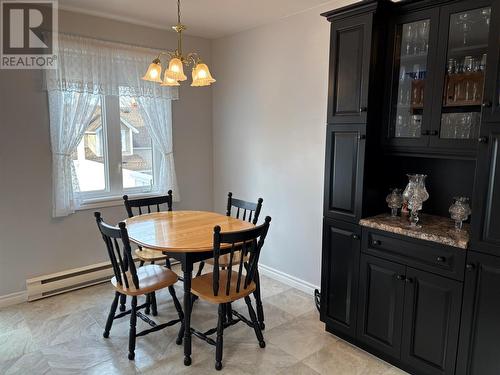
(434, 228)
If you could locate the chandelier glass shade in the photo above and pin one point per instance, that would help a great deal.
(176, 61)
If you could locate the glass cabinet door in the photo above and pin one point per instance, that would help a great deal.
(410, 65)
(464, 78)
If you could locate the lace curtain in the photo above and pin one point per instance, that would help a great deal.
(157, 115)
(88, 69)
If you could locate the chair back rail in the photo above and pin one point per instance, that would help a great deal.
(121, 259)
(144, 205)
(244, 208)
(250, 243)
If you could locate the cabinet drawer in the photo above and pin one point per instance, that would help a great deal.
(428, 256)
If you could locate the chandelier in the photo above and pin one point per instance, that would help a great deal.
(200, 74)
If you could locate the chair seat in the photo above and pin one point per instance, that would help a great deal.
(151, 278)
(202, 286)
(224, 260)
(148, 255)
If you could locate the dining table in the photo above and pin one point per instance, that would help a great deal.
(186, 236)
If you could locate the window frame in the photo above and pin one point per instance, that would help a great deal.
(112, 156)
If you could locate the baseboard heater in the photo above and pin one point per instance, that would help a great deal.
(65, 281)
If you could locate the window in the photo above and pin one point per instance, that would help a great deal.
(116, 154)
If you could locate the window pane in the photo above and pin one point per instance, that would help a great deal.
(137, 148)
(89, 157)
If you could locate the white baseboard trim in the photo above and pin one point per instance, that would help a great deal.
(13, 299)
(287, 279)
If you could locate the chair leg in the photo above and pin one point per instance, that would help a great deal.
(200, 268)
(141, 263)
(133, 322)
(111, 315)
(123, 301)
(220, 332)
(256, 326)
(167, 263)
(178, 307)
(258, 301)
(229, 312)
(147, 310)
(154, 309)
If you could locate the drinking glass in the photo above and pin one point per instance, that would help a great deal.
(483, 62)
(468, 64)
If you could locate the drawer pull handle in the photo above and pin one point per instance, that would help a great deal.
(408, 280)
(376, 243)
(355, 237)
(441, 259)
(400, 277)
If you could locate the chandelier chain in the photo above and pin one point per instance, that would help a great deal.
(178, 11)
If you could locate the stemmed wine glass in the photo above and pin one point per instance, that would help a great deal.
(423, 32)
(486, 13)
(465, 20)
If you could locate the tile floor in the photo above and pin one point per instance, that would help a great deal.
(63, 335)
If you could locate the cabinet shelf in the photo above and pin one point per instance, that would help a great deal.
(462, 51)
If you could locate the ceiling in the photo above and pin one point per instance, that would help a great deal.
(206, 18)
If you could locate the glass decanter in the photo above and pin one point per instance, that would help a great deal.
(460, 211)
(415, 194)
(395, 201)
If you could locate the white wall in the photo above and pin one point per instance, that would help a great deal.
(269, 115)
(31, 242)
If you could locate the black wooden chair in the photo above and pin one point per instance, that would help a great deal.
(225, 286)
(250, 212)
(144, 206)
(133, 282)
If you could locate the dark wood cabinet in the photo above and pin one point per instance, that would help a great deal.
(344, 167)
(430, 324)
(479, 349)
(411, 315)
(486, 218)
(414, 87)
(341, 249)
(350, 51)
(381, 294)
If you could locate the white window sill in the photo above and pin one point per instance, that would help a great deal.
(111, 201)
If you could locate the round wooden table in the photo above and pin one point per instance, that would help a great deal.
(186, 236)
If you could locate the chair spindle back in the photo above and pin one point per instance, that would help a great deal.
(248, 209)
(144, 205)
(121, 259)
(250, 243)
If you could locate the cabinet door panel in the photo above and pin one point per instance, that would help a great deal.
(381, 304)
(413, 38)
(479, 349)
(486, 220)
(461, 69)
(431, 322)
(349, 69)
(345, 149)
(341, 248)
(492, 84)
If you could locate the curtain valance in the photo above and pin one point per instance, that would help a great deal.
(106, 68)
